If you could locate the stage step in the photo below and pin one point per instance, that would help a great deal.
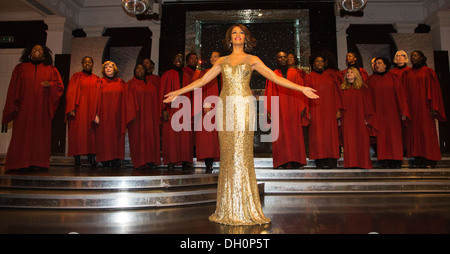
(354, 181)
(69, 188)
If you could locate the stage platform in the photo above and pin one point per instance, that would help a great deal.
(67, 200)
(63, 186)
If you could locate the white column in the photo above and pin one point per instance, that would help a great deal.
(94, 31)
(156, 34)
(341, 41)
(440, 30)
(405, 28)
(59, 34)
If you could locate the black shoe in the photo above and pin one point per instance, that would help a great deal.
(91, 159)
(171, 166)
(77, 161)
(151, 165)
(209, 164)
(187, 166)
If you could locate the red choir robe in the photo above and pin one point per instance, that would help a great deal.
(400, 72)
(362, 71)
(110, 135)
(301, 72)
(154, 79)
(142, 118)
(323, 128)
(206, 141)
(81, 95)
(357, 125)
(177, 146)
(423, 94)
(389, 101)
(335, 74)
(31, 107)
(290, 146)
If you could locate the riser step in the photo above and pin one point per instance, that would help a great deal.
(286, 187)
(115, 200)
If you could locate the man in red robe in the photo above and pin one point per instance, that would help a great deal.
(33, 96)
(323, 129)
(142, 112)
(177, 145)
(392, 110)
(207, 140)
(289, 149)
(81, 94)
(150, 77)
(425, 104)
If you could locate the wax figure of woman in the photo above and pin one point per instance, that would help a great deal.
(392, 110)
(110, 117)
(325, 112)
(31, 102)
(424, 96)
(237, 194)
(142, 118)
(358, 122)
(81, 93)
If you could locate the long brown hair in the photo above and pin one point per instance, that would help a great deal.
(358, 80)
(249, 42)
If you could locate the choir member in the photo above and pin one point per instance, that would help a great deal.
(323, 128)
(177, 146)
(400, 60)
(425, 104)
(289, 149)
(330, 66)
(191, 66)
(150, 77)
(358, 122)
(352, 61)
(391, 108)
(110, 117)
(142, 118)
(206, 140)
(32, 99)
(81, 94)
(292, 62)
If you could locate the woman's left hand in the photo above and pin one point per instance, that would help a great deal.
(309, 92)
(170, 97)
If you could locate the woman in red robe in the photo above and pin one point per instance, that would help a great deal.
(425, 104)
(110, 117)
(142, 111)
(289, 149)
(323, 129)
(33, 96)
(358, 123)
(177, 146)
(81, 94)
(351, 60)
(392, 111)
(207, 140)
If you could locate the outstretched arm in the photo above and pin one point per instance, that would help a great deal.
(260, 67)
(212, 73)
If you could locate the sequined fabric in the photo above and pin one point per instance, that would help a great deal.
(238, 200)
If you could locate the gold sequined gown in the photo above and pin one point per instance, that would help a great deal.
(238, 201)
